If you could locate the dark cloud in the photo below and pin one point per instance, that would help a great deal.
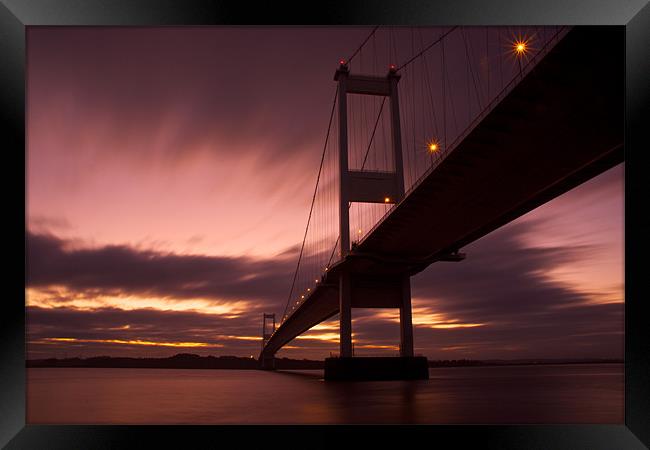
(503, 284)
(502, 276)
(119, 268)
(142, 324)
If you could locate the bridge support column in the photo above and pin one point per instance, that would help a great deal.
(405, 319)
(345, 316)
(393, 290)
(267, 362)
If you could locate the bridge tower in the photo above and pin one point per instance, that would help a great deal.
(267, 362)
(356, 289)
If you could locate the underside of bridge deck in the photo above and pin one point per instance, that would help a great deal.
(559, 127)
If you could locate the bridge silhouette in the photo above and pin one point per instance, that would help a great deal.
(476, 127)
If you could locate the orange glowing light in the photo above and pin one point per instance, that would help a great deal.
(520, 47)
(386, 199)
(434, 147)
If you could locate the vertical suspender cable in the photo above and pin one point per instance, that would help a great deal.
(302, 247)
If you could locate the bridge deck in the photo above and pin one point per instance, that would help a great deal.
(560, 126)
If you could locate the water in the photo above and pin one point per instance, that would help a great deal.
(589, 393)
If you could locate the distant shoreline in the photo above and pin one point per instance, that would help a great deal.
(191, 361)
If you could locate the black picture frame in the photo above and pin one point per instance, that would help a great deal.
(15, 15)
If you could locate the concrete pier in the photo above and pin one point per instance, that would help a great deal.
(377, 368)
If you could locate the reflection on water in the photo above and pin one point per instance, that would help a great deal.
(590, 393)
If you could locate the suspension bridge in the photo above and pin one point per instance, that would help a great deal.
(436, 137)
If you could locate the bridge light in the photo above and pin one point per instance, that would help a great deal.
(302, 296)
(342, 62)
(386, 199)
(325, 269)
(359, 231)
(434, 147)
(316, 280)
(520, 47)
(308, 289)
(392, 67)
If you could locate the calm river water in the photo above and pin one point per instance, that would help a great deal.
(581, 393)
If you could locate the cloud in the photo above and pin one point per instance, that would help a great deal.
(46, 224)
(506, 285)
(114, 323)
(171, 94)
(122, 269)
(503, 285)
(499, 302)
(114, 331)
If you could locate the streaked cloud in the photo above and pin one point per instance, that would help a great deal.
(134, 342)
(125, 275)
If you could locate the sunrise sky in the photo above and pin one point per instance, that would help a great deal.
(169, 177)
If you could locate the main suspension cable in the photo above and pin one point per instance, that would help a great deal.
(414, 57)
